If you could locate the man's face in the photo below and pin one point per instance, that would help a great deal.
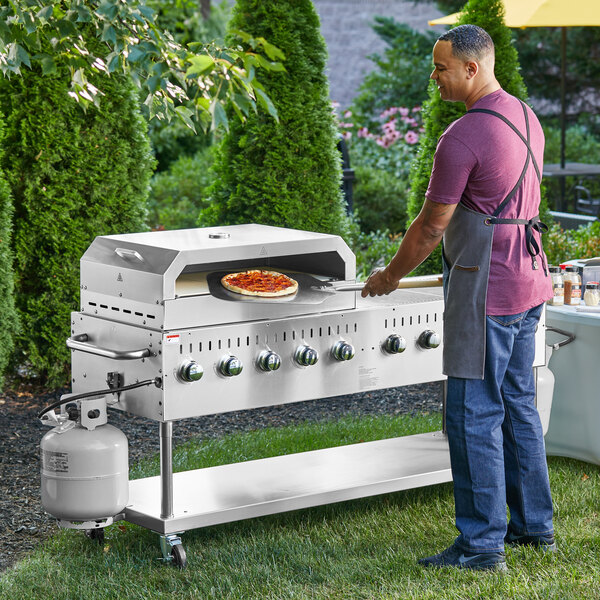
(450, 73)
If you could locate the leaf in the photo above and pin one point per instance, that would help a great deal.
(185, 115)
(200, 64)
(153, 83)
(66, 28)
(219, 117)
(48, 65)
(273, 52)
(21, 56)
(108, 9)
(83, 14)
(45, 13)
(136, 54)
(266, 103)
(109, 34)
(147, 12)
(112, 62)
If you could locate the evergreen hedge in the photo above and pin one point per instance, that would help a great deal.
(286, 173)
(73, 176)
(8, 313)
(438, 113)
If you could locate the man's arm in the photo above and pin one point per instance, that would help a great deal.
(420, 240)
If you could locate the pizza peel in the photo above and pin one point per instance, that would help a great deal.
(311, 289)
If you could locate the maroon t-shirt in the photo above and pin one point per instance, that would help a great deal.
(478, 160)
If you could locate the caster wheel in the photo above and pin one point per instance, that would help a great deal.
(179, 557)
(96, 534)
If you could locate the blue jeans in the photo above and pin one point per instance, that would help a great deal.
(496, 442)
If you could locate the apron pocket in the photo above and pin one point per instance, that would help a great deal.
(461, 268)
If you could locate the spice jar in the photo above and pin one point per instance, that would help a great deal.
(591, 295)
(558, 287)
(572, 281)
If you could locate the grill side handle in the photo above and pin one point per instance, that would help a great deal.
(80, 342)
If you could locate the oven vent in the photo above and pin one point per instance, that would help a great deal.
(118, 309)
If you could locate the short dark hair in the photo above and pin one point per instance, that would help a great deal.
(468, 42)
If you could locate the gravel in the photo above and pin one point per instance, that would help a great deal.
(23, 522)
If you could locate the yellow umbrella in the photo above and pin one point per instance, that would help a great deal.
(543, 13)
(546, 13)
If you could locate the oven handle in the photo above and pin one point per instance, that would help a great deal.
(79, 342)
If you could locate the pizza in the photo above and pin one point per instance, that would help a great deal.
(256, 282)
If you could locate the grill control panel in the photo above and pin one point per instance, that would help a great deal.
(208, 370)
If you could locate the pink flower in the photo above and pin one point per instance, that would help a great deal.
(346, 125)
(382, 142)
(416, 109)
(389, 126)
(346, 135)
(363, 132)
(403, 111)
(411, 137)
(347, 114)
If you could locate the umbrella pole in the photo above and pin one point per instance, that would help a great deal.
(563, 76)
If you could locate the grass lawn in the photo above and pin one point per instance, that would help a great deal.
(363, 549)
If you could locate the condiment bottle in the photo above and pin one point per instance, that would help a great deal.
(592, 293)
(558, 287)
(572, 281)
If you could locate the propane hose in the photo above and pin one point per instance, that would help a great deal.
(156, 381)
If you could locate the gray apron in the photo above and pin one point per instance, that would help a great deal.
(466, 254)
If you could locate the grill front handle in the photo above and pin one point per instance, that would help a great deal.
(81, 342)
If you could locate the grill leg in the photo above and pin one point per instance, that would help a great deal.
(166, 469)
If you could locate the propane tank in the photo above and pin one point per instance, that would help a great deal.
(544, 391)
(85, 466)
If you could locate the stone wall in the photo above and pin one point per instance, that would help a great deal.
(346, 27)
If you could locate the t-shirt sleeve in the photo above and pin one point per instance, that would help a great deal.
(452, 165)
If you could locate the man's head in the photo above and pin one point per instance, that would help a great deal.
(464, 64)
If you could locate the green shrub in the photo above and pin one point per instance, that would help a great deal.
(373, 249)
(285, 173)
(379, 200)
(8, 314)
(398, 77)
(178, 194)
(438, 114)
(583, 242)
(73, 176)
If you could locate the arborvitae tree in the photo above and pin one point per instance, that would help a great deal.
(8, 314)
(285, 173)
(438, 113)
(73, 175)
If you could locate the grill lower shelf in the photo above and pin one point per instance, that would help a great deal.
(256, 488)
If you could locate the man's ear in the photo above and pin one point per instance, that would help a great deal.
(472, 69)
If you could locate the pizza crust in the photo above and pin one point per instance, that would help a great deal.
(232, 283)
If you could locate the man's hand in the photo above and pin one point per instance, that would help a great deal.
(379, 283)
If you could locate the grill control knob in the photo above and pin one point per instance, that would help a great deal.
(269, 361)
(306, 356)
(190, 371)
(343, 351)
(230, 366)
(394, 344)
(429, 339)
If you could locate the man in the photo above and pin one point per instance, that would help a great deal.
(483, 199)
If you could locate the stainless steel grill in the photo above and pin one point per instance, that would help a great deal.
(149, 309)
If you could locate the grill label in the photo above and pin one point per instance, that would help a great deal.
(368, 379)
(172, 339)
